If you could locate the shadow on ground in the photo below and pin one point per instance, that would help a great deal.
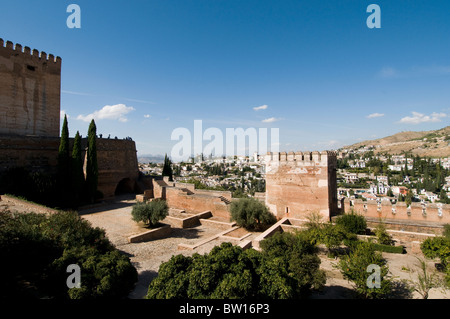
(400, 290)
(144, 279)
(187, 233)
(117, 203)
(334, 292)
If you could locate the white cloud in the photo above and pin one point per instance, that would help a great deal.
(388, 72)
(418, 118)
(374, 115)
(147, 116)
(109, 112)
(262, 107)
(270, 120)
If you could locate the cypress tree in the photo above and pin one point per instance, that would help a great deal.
(92, 165)
(406, 166)
(77, 168)
(63, 178)
(167, 168)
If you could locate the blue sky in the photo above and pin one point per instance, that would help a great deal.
(144, 68)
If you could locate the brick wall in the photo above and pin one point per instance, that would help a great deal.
(186, 197)
(300, 183)
(30, 85)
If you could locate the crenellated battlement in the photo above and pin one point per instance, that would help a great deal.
(323, 158)
(26, 52)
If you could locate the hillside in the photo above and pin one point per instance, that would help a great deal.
(434, 143)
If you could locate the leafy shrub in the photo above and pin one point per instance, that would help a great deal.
(226, 272)
(291, 268)
(103, 275)
(251, 214)
(354, 268)
(383, 236)
(438, 247)
(352, 223)
(39, 248)
(332, 236)
(315, 220)
(288, 267)
(389, 248)
(151, 213)
(446, 233)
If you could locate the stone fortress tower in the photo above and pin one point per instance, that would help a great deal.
(301, 183)
(30, 86)
(30, 104)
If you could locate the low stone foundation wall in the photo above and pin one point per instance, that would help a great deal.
(190, 221)
(407, 227)
(217, 224)
(277, 227)
(152, 234)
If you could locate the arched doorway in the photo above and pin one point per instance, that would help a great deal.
(125, 186)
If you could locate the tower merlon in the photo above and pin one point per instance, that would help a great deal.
(321, 158)
(27, 52)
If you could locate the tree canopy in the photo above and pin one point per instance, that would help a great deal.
(288, 267)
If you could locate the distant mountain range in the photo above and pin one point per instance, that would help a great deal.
(149, 158)
(425, 143)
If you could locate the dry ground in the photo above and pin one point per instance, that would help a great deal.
(115, 218)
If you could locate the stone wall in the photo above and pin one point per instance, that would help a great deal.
(30, 85)
(185, 197)
(117, 162)
(417, 212)
(33, 153)
(117, 159)
(300, 183)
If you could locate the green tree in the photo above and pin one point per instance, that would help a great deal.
(406, 165)
(167, 168)
(409, 198)
(439, 247)
(291, 268)
(352, 223)
(151, 213)
(77, 169)
(251, 214)
(229, 272)
(332, 237)
(354, 267)
(64, 159)
(92, 164)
